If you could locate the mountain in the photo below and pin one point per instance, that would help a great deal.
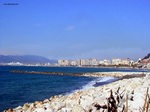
(27, 59)
(146, 57)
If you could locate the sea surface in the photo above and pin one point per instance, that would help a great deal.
(17, 89)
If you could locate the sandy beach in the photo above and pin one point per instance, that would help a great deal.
(129, 94)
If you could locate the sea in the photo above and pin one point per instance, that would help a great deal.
(17, 88)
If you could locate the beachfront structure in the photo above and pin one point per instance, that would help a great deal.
(73, 63)
(125, 62)
(116, 61)
(95, 62)
(92, 62)
(64, 62)
(105, 62)
(122, 61)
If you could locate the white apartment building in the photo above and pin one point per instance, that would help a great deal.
(94, 62)
(105, 62)
(116, 61)
(89, 62)
(84, 62)
(73, 63)
(122, 61)
(125, 62)
(63, 62)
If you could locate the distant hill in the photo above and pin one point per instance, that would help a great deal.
(27, 59)
(146, 57)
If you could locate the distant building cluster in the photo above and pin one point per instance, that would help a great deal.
(117, 62)
(95, 62)
(25, 64)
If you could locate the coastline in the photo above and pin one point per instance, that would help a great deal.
(85, 100)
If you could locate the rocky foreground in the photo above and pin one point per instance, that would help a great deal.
(125, 95)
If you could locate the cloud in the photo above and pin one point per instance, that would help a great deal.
(70, 28)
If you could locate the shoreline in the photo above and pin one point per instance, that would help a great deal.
(131, 68)
(95, 98)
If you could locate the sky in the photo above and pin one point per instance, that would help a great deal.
(75, 29)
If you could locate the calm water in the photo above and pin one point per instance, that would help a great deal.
(17, 89)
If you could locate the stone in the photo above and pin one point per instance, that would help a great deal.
(26, 106)
(18, 108)
(57, 105)
(86, 101)
(66, 110)
(78, 109)
(10, 110)
(47, 105)
(39, 110)
(32, 106)
(46, 101)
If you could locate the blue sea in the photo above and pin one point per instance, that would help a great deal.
(17, 89)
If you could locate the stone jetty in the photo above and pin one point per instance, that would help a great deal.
(91, 74)
(130, 94)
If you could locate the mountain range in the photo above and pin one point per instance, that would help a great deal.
(26, 59)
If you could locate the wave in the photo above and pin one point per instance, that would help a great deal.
(95, 83)
(98, 82)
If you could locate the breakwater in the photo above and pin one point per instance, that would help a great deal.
(49, 73)
(92, 74)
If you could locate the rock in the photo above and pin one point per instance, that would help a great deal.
(86, 101)
(39, 110)
(47, 105)
(78, 109)
(46, 101)
(10, 110)
(57, 105)
(138, 101)
(18, 108)
(26, 106)
(32, 106)
(147, 76)
(71, 103)
(66, 110)
(83, 101)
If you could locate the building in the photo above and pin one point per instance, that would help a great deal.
(125, 62)
(64, 62)
(116, 61)
(89, 62)
(73, 63)
(105, 62)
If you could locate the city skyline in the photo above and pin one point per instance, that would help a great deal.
(75, 29)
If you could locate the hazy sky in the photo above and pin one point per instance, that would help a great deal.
(73, 29)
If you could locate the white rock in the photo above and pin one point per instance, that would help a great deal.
(66, 110)
(57, 105)
(78, 109)
(86, 101)
(39, 110)
(71, 103)
(138, 101)
(47, 105)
